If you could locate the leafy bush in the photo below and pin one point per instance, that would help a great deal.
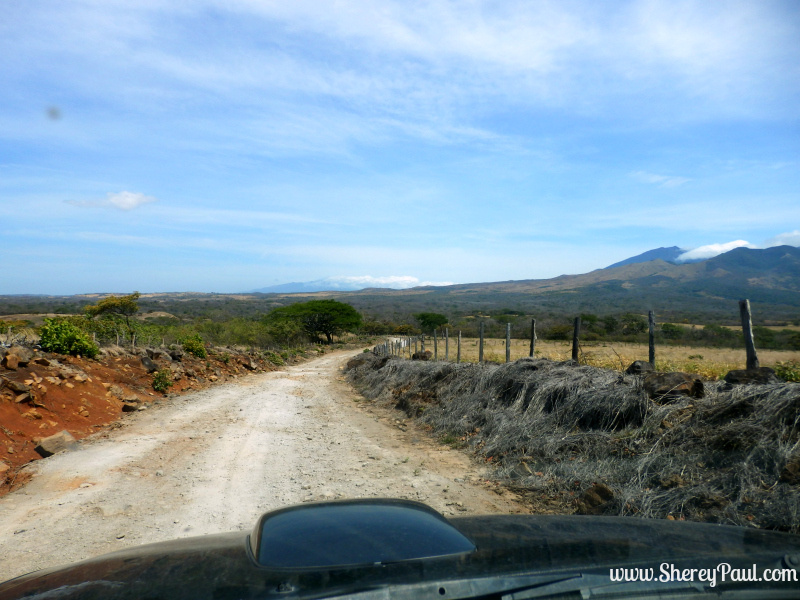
(194, 345)
(672, 332)
(274, 358)
(559, 332)
(63, 337)
(225, 358)
(788, 370)
(162, 380)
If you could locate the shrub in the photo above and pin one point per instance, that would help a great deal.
(225, 358)
(63, 337)
(274, 358)
(559, 332)
(162, 380)
(788, 370)
(671, 331)
(194, 345)
(405, 330)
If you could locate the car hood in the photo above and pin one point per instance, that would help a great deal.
(223, 566)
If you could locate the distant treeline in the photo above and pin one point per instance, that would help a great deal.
(229, 320)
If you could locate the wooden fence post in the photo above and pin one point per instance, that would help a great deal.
(480, 347)
(651, 323)
(458, 351)
(446, 344)
(422, 342)
(533, 337)
(747, 330)
(435, 346)
(508, 342)
(575, 336)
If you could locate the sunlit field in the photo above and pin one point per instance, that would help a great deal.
(711, 363)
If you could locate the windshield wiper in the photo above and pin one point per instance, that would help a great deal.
(589, 586)
(458, 588)
(597, 586)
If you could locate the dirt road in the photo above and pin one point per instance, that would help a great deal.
(213, 461)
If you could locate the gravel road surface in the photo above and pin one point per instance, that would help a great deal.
(213, 461)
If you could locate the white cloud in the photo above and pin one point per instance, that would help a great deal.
(790, 238)
(660, 180)
(128, 200)
(120, 200)
(398, 282)
(712, 250)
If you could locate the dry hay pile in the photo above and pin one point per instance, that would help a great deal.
(594, 435)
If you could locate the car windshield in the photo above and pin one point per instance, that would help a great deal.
(526, 272)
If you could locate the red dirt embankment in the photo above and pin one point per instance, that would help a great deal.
(49, 393)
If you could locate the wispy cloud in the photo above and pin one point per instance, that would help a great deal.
(399, 282)
(790, 238)
(119, 200)
(712, 250)
(666, 181)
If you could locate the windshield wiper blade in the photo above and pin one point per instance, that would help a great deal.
(597, 586)
(456, 589)
(525, 587)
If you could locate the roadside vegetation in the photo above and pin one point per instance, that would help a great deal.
(116, 320)
(579, 438)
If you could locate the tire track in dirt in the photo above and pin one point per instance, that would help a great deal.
(214, 460)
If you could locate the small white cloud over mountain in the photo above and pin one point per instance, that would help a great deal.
(712, 250)
(790, 238)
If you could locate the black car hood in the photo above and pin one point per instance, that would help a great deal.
(222, 566)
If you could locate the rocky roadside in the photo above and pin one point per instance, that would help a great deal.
(48, 401)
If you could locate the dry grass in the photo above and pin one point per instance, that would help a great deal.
(711, 363)
(554, 429)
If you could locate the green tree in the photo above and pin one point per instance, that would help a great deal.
(633, 323)
(610, 323)
(318, 317)
(405, 329)
(124, 306)
(430, 321)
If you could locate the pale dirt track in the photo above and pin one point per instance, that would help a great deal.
(213, 461)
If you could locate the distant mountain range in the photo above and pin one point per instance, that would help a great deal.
(334, 284)
(709, 289)
(320, 285)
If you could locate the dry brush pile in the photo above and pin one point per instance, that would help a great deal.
(593, 436)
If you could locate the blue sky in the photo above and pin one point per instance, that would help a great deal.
(225, 146)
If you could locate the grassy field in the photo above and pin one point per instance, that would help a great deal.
(711, 363)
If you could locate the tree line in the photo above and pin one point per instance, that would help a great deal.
(113, 320)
